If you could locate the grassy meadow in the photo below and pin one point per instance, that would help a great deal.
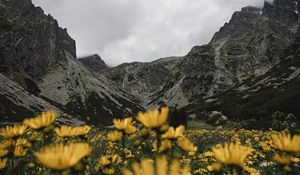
(143, 145)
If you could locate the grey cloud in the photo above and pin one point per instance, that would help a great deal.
(135, 30)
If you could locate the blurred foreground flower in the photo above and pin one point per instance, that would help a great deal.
(173, 133)
(187, 145)
(3, 152)
(126, 125)
(6, 144)
(3, 163)
(161, 168)
(154, 118)
(61, 157)
(69, 131)
(106, 164)
(43, 120)
(115, 136)
(230, 154)
(13, 131)
(285, 142)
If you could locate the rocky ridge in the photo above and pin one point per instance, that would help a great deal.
(93, 62)
(39, 65)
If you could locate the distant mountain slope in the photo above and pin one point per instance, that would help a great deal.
(250, 44)
(93, 62)
(41, 59)
(259, 97)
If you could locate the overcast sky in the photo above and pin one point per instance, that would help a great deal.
(141, 30)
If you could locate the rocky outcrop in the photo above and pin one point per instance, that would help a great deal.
(31, 42)
(93, 62)
(40, 71)
(250, 44)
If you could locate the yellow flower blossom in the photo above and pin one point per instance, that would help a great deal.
(69, 131)
(6, 143)
(61, 157)
(284, 160)
(285, 142)
(115, 136)
(23, 142)
(165, 145)
(3, 163)
(104, 163)
(108, 170)
(3, 152)
(174, 133)
(13, 131)
(125, 125)
(146, 167)
(20, 151)
(43, 120)
(154, 118)
(232, 154)
(187, 145)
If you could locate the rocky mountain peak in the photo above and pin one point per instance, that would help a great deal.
(282, 10)
(93, 62)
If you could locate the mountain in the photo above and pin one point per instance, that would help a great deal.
(93, 62)
(39, 71)
(259, 97)
(250, 44)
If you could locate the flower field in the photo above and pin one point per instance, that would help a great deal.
(143, 145)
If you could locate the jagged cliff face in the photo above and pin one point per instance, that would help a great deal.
(249, 45)
(40, 70)
(93, 62)
(259, 97)
(30, 41)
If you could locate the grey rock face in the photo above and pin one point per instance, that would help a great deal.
(38, 63)
(93, 62)
(257, 98)
(30, 41)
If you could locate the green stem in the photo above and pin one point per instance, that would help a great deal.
(157, 140)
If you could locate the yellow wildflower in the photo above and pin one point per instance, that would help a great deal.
(165, 145)
(69, 131)
(284, 160)
(20, 151)
(2, 163)
(6, 143)
(161, 168)
(115, 136)
(104, 163)
(125, 124)
(108, 170)
(232, 154)
(285, 142)
(23, 142)
(174, 133)
(13, 131)
(154, 118)
(3, 152)
(43, 120)
(187, 145)
(60, 157)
